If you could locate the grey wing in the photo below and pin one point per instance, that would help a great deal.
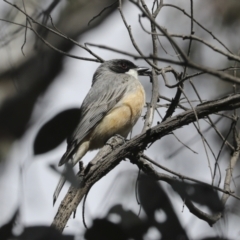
(95, 111)
(99, 101)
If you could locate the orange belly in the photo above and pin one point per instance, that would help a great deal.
(120, 119)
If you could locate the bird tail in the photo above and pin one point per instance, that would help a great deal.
(58, 189)
(82, 150)
(67, 155)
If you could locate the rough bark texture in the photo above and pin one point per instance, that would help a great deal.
(113, 152)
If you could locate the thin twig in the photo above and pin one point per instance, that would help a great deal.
(98, 59)
(98, 15)
(128, 27)
(155, 92)
(186, 60)
(183, 177)
(200, 132)
(200, 25)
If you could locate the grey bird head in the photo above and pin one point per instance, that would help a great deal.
(124, 66)
(119, 66)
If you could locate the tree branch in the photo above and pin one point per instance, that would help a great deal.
(112, 153)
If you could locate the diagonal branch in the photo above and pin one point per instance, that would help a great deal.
(105, 161)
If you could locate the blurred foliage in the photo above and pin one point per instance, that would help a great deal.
(130, 226)
(226, 11)
(30, 233)
(56, 130)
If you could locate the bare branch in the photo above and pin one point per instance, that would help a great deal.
(102, 12)
(200, 25)
(56, 33)
(112, 153)
(187, 61)
(131, 36)
(155, 89)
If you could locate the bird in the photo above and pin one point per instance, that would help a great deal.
(112, 106)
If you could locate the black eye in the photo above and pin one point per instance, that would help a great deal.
(124, 65)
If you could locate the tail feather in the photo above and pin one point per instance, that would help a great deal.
(58, 189)
(74, 160)
(67, 155)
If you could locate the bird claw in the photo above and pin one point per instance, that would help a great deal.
(121, 137)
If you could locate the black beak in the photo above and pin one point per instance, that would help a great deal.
(143, 71)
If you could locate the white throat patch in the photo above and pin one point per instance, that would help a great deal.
(133, 73)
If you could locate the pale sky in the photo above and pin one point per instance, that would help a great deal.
(34, 188)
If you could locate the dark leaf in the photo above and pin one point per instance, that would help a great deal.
(154, 200)
(43, 233)
(14, 115)
(6, 230)
(132, 225)
(128, 226)
(200, 194)
(103, 229)
(215, 238)
(56, 130)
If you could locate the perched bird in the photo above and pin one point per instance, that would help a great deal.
(112, 106)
